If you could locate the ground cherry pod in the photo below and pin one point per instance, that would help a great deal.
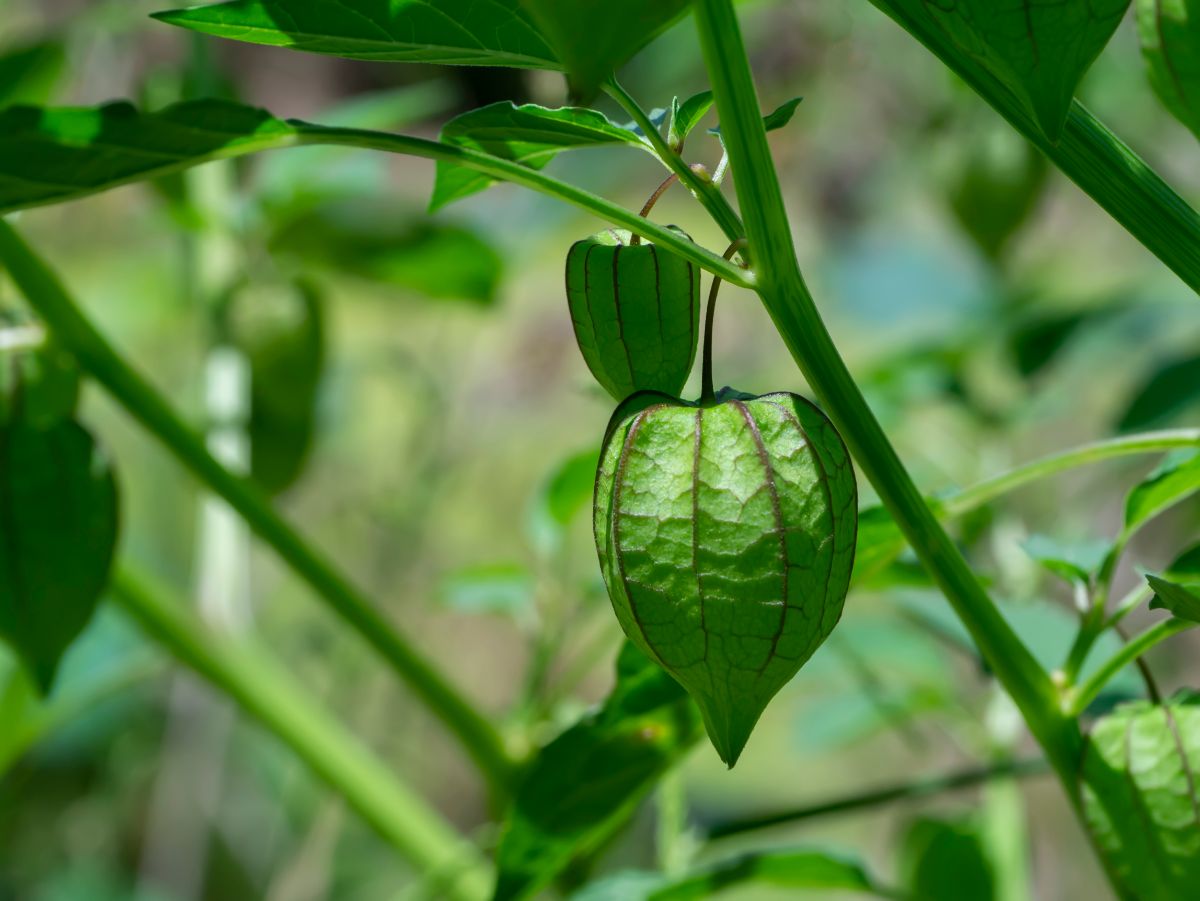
(636, 312)
(726, 532)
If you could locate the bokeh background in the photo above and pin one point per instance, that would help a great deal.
(990, 310)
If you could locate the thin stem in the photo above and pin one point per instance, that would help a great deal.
(1082, 697)
(870, 800)
(1137, 596)
(307, 134)
(1144, 668)
(48, 297)
(986, 491)
(704, 190)
(1088, 153)
(658, 192)
(791, 307)
(707, 395)
(265, 692)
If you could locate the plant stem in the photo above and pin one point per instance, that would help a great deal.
(904, 791)
(986, 491)
(654, 198)
(707, 395)
(67, 322)
(1088, 153)
(782, 289)
(1083, 696)
(264, 691)
(702, 189)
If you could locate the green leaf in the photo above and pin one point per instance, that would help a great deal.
(880, 542)
(1186, 564)
(503, 588)
(448, 32)
(1170, 35)
(583, 785)
(686, 116)
(1170, 391)
(28, 74)
(791, 870)
(370, 239)
(283, 338)
(1140, 796)
(1074, 562)
(1182, 599)
(1175, 480)
(59, 503)
(39, 385)
(594, 38)
(530, 134)
(943, 860)
(776, 119)
(569, 489)
(51, 155)
(1038, 49)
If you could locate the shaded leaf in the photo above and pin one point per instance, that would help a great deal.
(1170, 35)
(569, 489)
(368, 239)
(686, 116)
(1140, 796)
(1038, 49)
(59, 503)
(583, 785)
(1176, 479)
(284, 343)
(1036, 343)
(1182, 599)
(1074, 562)
(448, 32)
(943, 860)
(1169, 391)
(39, 385)
(593, 38)
(51, 155)
(28, 74)
(1186, 564)
(531, 135)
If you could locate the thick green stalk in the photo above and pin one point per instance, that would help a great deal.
(48, 297)
(703, 190)
(791, 307)
(265, 692)
(1082, 696)
(1089, 154)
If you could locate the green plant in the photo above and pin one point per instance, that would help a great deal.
(571, 796)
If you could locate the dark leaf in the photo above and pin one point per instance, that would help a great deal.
(530, 134)
(1171, 390)
(372, 240)
(58, 503)
(945, 861)
(586, 783)
(776, 119)
(1182, 599)
(28, 74)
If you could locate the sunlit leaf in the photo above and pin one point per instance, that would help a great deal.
(1175, 480)
(593, 38)
(1039, 49)
(59, 504)
(686, 116)
(1182, 599)
(1140, 796)
(51, 155)
(1170, 35)
(450, 32)
(586, 783)
(531, 135)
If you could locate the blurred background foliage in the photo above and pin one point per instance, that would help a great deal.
(420, 409)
